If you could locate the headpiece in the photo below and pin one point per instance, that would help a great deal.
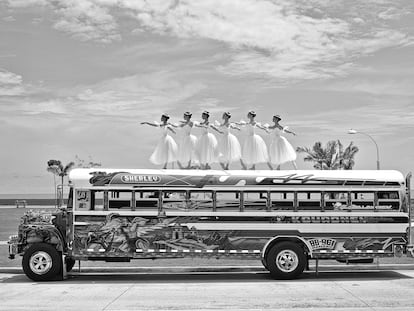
(251, 112)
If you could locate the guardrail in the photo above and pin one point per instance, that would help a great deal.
(21, 203)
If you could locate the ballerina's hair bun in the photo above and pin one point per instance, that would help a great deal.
(165, 115)
(206, 113)
(251, 112)
(188, 114)
(228, 114)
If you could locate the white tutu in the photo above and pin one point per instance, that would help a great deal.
(281, 151)
(187, 150)
(254, 148)
(207, 148)
(229, 146)
(166, 149)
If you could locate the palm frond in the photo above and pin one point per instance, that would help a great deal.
(332, 156)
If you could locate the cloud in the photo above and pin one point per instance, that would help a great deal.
(392, 14)
(381, 119)
(11, 84)
(374, 86)
(26, 3)
(283, 40)
(127, 98)
(37, 20)
(9, 19)
(86, 20)
(136, 95)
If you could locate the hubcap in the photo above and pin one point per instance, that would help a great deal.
(40, 262)
(287, 260)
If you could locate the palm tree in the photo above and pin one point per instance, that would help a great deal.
(331, 157)
(57, 169)
(348, 156)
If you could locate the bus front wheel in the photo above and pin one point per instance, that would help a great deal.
(42, 262)
(286, 260)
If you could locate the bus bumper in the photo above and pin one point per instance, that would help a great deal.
(13, 246)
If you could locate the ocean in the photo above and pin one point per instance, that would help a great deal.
(43, 199)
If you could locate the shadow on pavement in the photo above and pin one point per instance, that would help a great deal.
(212, 277)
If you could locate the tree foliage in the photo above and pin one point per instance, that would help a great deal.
(333, 156)
(57, 168)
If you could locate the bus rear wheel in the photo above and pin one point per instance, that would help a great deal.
(42, 262)
(286, 260)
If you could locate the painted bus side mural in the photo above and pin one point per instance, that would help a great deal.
(127, 235)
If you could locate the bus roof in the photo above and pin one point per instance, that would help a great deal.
(81, 177)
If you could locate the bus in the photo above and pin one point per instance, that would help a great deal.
(285, 218)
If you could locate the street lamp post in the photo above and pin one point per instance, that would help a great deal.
(352, 131)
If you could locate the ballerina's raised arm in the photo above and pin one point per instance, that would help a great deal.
(164, 119)
(264, 127)
(285, 129)
(155, 123)
(166, 150)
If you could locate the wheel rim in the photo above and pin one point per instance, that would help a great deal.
(40, 262)
(287, 261)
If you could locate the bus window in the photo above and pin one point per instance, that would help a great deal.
(146, 200)
(227, 201)
(98, 200)
(201, 200)
(119, 200)
(336, 201)
(255, 201)
(175, 200)
(388, 200)
(309, 201)
(282, 200)
(362, 200)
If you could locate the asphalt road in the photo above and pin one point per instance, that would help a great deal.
(336, 290)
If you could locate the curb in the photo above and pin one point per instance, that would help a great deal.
(218, 269)
(152, 270)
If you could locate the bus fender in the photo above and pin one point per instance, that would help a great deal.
(44, 234)
(280, 238)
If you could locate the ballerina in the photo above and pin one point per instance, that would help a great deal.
(229, 145)
(254, 149)
(207, 145)
(187, 150)
(280, 150)
(166, 150)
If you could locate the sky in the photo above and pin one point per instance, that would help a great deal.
(78, 77)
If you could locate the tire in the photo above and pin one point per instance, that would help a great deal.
(286, 260)
(42, 262)
(70, 262)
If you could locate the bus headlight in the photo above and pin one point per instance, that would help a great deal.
(13, 239)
